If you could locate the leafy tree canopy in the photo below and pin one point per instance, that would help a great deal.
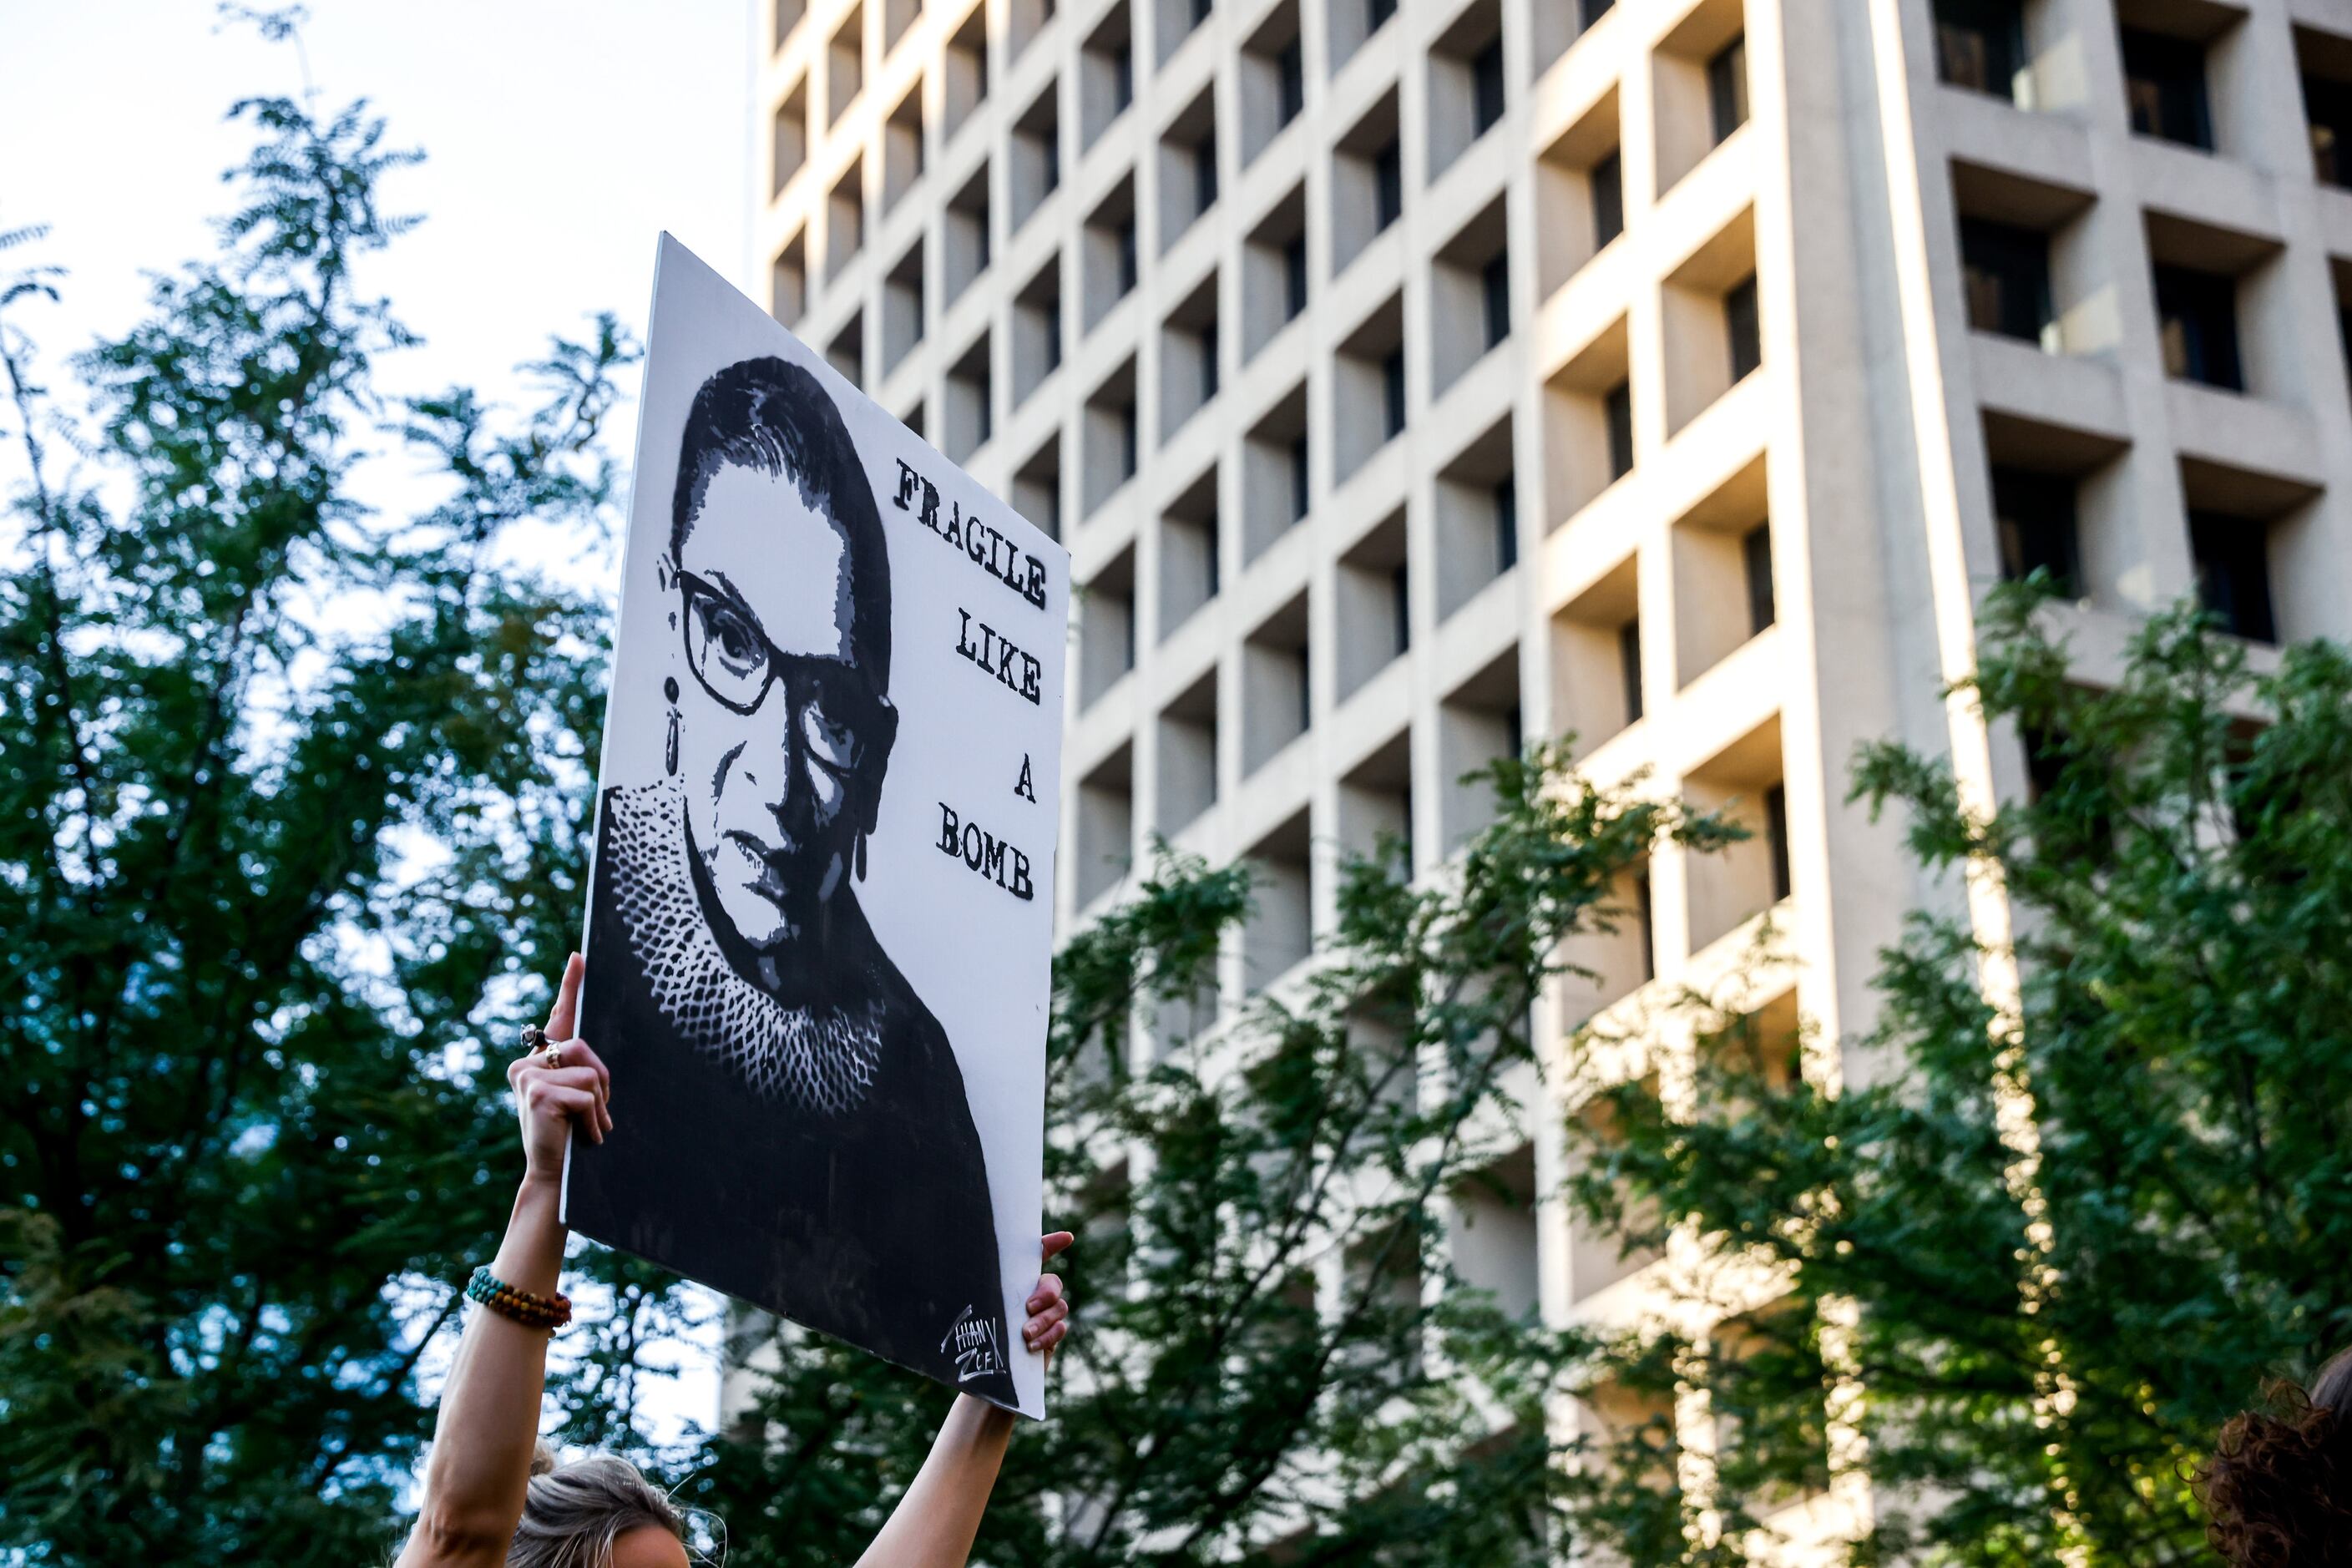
(287, 788)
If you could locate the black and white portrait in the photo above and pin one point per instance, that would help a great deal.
(803, 1131)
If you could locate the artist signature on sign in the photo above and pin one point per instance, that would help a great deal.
(972, 1340)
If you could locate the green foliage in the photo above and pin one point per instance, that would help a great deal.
(2178, 883)
(286, 789)
(1275, 1342)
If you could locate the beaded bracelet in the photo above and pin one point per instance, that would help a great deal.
(548, 1312)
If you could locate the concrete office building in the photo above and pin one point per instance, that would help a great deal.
(1410, 378)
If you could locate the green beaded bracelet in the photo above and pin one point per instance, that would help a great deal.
(548, 1312)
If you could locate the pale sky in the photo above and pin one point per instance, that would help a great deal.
(560, 141)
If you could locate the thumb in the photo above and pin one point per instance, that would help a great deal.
(1055, 1243)
(562, 1019)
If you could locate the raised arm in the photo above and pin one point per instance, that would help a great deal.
(488, 1422)
(934, 1523)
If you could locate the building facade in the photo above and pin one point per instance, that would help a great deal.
(1412, 379)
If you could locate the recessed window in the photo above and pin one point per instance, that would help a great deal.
(1392, 393)
(1106, 75)
(1486, 86)
(1495, 287)
(1388, 184)
(1981, 45)
(1629, 666)
(1617, 408)
(1726, 87)
(2198, 312)
(1776, 838)
(1744, 328)
(1587, 12)
(1377, 14)
(1506, 497)
(2234, 573)
(1294, 277)
(2034, 514)
(1608, 177)
(2327, 107)
(2006, 272)
(1756, 566)
(2164, 86)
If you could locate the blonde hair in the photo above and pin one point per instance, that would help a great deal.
(574, 1513)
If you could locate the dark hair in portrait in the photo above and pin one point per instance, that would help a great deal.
(775, 416)
(810, 1146)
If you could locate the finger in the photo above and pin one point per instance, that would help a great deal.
(1048, 1290)
(561, 1017)
(579, 1053)
(1052, 1244)
(1054, 1336)
(1039, 1322)
(585, 1078)
(544, 1098)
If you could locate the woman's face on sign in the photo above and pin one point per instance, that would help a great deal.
(776, 717)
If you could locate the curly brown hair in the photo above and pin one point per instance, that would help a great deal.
(2278, 1489)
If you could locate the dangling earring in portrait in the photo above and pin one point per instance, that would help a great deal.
(665, 574)
(861, 857)
(669, 747)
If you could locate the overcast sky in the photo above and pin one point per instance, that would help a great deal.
(560, 141)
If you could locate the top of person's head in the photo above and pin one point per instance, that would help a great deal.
(776, 417)
(2278, 1489)
(575, 1513)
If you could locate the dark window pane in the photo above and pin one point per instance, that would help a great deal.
(1591, 10)
(1400, 602)
(1050, 145)
(1392, 392)
(1629, 666)
(1126, 442)
(1291, 66)
(2327, 105)
(1608, 200)
(1199, 12)
(1204, 175)
(2034, 514)
(1377, 13)
(1756, 559)
(2197, 315)
(1726, 87)
(1776, 838)
(1506, 523)
(1294, 277)
(2164, 84)
(1618, 408)
(1297, 479)
(1495, 283)
(2006, 271)
(1123, 79)
(1214, 583)
(1980, 44)
(1127, 257)
(1643, 922)
(1745, 331)
(1209, 369)
(1486, 85)
(1388, 184)
(2233, 573)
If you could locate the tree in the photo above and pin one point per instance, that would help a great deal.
(2062, 1243)
(287, 790)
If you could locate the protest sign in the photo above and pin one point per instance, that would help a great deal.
(820, 924)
